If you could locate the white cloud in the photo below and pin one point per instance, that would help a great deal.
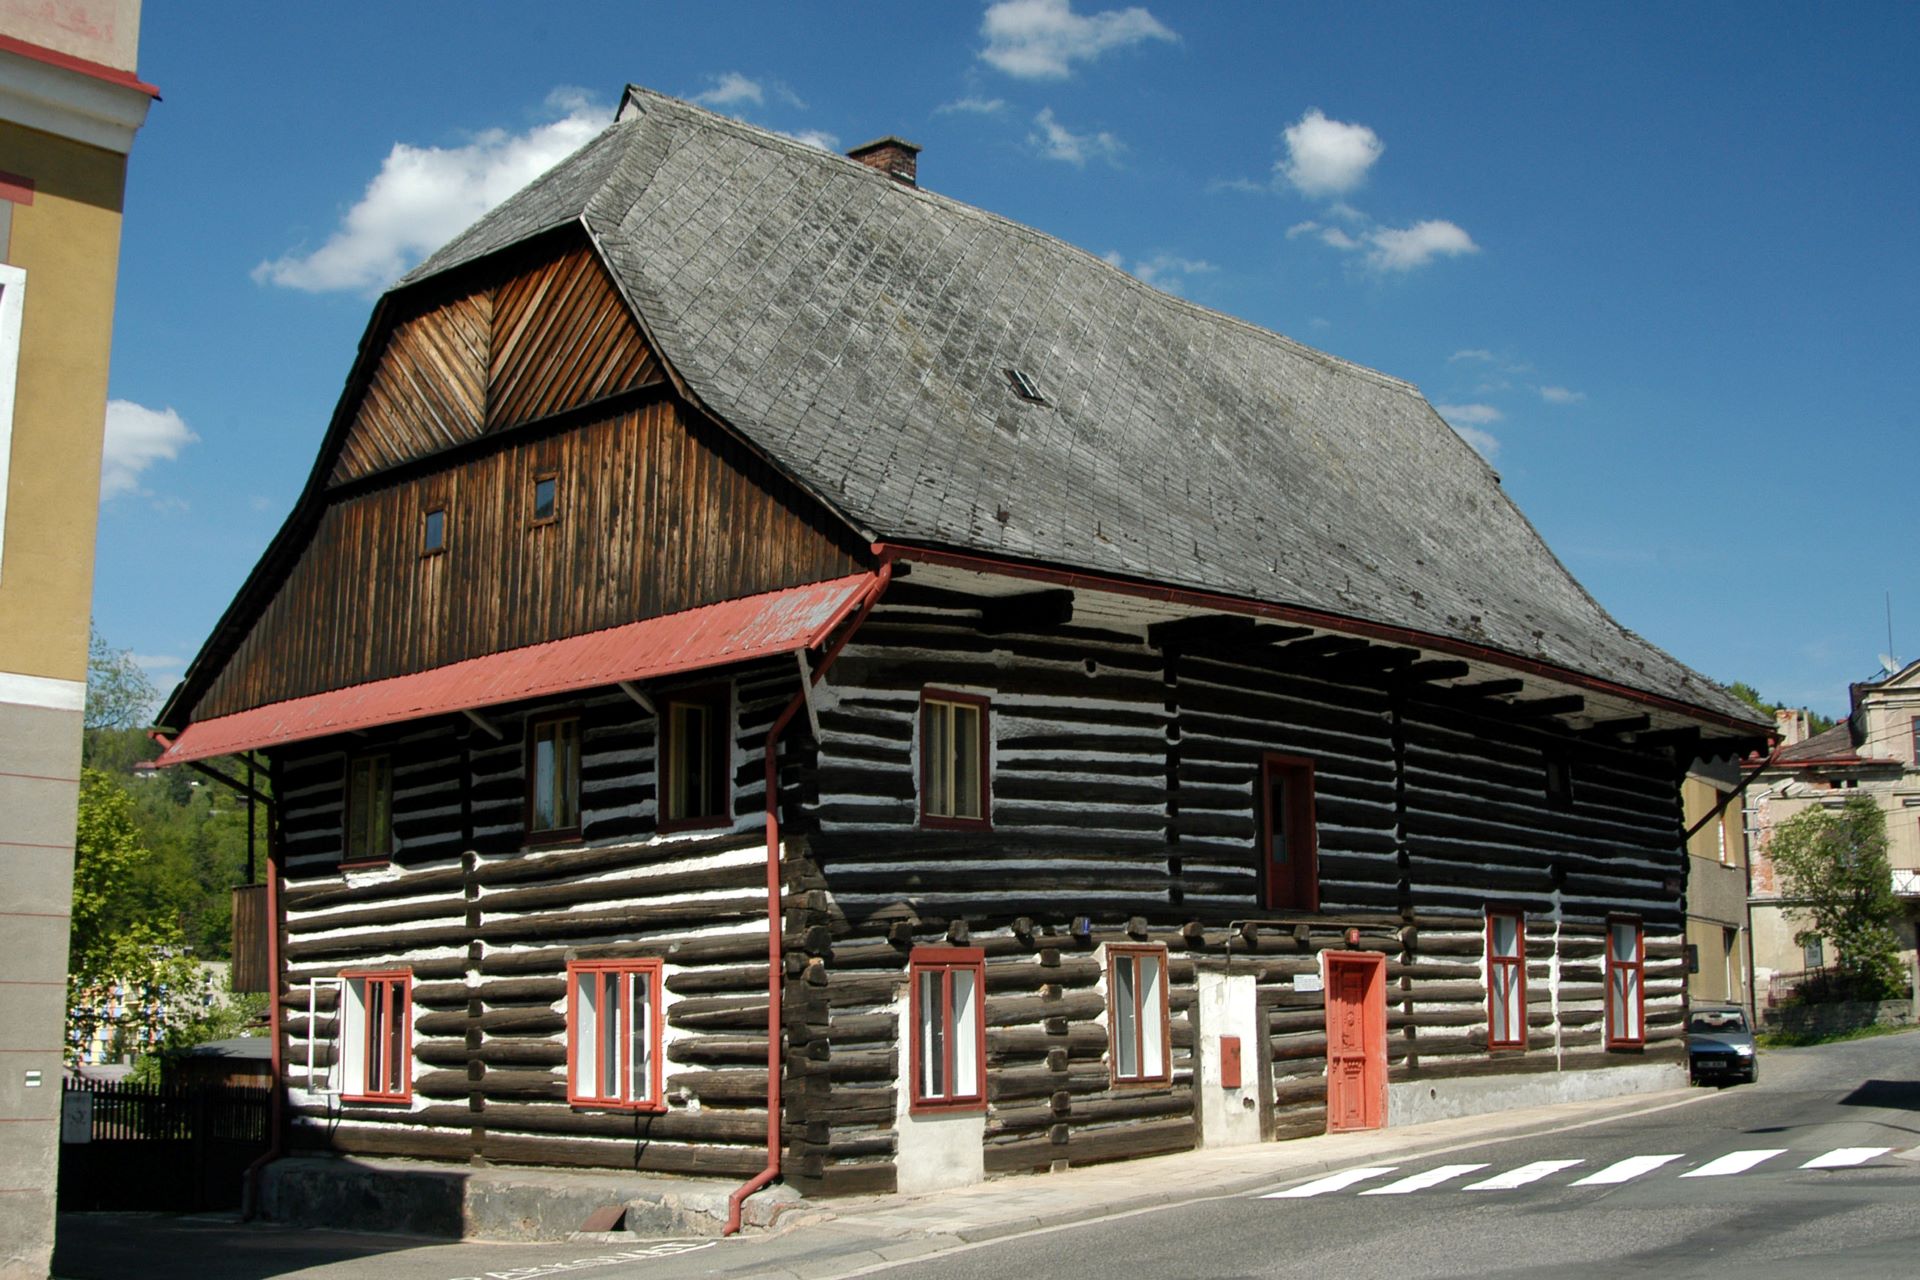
(1479, 415)
(1299, 229)
(1561, 395)
(136, 438)
(731, 89)
(1404, 248)
(1328, 157)
(1041, 39)
(424, 196)
(1337, 238)
(814, 138)
(1472, 353)
(973, 106)
(1166, 271)
(1057, 142)
(1485, 443)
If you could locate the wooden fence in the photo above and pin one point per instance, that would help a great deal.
(178, 1148)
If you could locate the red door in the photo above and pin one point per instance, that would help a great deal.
(1356, 1040)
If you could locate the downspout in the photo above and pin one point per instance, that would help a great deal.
(775, 914)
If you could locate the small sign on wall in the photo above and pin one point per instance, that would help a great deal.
(1308, 982)
(76, 1117)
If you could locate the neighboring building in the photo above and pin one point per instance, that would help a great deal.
(1719, 947)
(1875, 751)
(70, 103)
(1155, 731)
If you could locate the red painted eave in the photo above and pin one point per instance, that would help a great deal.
(710, 636)
(83, 66)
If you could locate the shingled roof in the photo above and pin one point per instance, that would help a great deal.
(859, 332)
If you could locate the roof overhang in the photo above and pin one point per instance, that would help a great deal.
(790, 620)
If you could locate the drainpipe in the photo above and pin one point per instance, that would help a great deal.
(775, 913)
(276, 1122)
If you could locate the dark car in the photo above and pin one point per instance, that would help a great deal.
(1720, 1047)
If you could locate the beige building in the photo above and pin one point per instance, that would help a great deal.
(1719, 947)
(70, 104)
(1875, 751)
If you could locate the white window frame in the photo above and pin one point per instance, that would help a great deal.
(13, 300)
(334, 1069)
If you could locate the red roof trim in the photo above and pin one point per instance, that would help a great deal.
(712, 635)
(85, 66)
(1309, 617)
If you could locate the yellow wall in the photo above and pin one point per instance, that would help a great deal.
(68, 241)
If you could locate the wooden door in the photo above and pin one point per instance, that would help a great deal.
(1356, 1040)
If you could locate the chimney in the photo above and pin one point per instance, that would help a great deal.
(1792, 725)
(895, 157)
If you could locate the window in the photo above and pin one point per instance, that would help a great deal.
(433, 537)
(1626, 989)
(1289, 860)
(1559, 782)
(694, 759)
(546, 499)
(1506, 980)
(1916, 739)
(369, 817)
(1813, 954)
(553, 778)
(1720, 830)
(953, 760)
(13, 291)
(376, 1036)
(613, 1035)
(1137, 1013)
(1024, 386)
(949, 1043)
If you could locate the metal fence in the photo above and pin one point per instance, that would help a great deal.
(180, 1148)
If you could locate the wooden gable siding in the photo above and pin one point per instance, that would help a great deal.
(546, 339)
(658, 512)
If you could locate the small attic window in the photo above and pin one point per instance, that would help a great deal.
(433, 538)
(1023, 386)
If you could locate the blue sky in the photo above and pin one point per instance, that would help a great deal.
(1657, 262)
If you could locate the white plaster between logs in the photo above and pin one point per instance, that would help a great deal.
(1226, 1007)
(937, 1149)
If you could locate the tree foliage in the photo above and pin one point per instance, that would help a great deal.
(130, 971)
(1740, 689)
(1834, 862)
(119, 694)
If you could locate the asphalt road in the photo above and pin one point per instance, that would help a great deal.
(1715, 1207)
(1716, 1184)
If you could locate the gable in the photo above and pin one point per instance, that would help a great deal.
(527, 344)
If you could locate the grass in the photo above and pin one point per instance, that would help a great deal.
(1800, 1040)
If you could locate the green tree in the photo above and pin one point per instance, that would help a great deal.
(1751, 696)
(119, 694)
(130, 972)
(1834, 861)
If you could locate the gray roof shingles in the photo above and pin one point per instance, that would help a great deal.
(857, 331)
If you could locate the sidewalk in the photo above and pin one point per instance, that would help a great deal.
(846, 1236)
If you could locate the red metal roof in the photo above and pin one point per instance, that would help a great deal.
(712, 635)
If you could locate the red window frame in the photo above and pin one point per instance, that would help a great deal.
(984, 705)
(945, 962)
(717, 701)
(394, 1032)
(1115, 954)
(1295, 887)
(1637, 967)
(534, 726)
(612, 971)
(1514, 965)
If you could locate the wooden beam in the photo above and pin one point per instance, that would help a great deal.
(1324, 646)
(1211, 628)
(1275, 634)
(483, 724)
(640, 697)
(1490, 688)
(1613, 728)
(1564, 706)
(1437, 669)
(1377, 658)
(1029, 611)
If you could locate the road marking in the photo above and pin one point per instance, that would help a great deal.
(1421, 1181)
(1845, 1157)
(1333, 1182)
(1624, 1170)
(1523, 1175)
(1734, 1162)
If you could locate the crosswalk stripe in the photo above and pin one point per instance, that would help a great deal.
(1734, 1162)
(1624, 1170)
(1522, 1176)
(1421, 1181)
(1332, 1182)
(1844, 1157)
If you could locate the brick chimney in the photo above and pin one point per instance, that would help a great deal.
(895, 157)
(1792, 725)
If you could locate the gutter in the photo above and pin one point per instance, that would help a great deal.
(775, 912)
(1221, 603)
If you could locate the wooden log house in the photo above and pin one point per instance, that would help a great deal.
(1155, 731)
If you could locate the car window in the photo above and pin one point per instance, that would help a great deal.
(1729, 1020)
